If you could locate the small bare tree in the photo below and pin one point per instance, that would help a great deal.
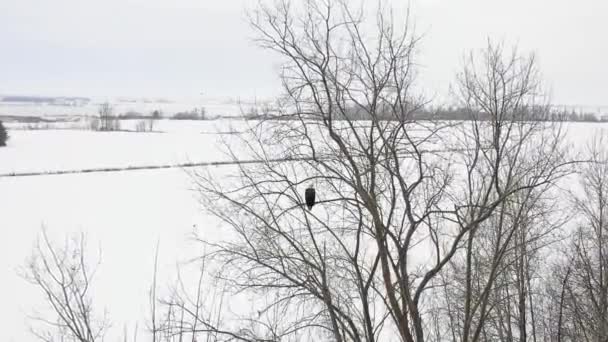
(145, 125)
(65, 275)
(107, 120)
(3, 135)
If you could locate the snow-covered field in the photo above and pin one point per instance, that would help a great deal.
(124, 213)
(176, 142)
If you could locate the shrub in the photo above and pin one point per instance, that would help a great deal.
(150, 124)
(186, 116)
(3, 135)
(146, 125)
(107, 120)
(157, 114)
(589, 117)
(131, 115)
(93, 124)
(195, 114)
(140, 126)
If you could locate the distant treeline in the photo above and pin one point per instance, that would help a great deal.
(446, 113)
(526, 114)
(194, 114)
(44, 99)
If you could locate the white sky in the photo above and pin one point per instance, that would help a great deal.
(185, 47)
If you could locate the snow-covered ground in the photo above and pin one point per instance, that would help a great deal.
(124, 213)
(174, 142)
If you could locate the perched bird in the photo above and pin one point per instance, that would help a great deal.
(309, 195)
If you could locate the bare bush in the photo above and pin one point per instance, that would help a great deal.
(150, 124)
(194, 114)
(107, 120)
(3, 135)
(146, 125)
(157, 114)
(64, 275)
(93, 123)
(141, 126)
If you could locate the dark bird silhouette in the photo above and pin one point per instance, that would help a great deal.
(309, 195)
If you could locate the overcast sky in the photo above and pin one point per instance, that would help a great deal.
(177, 48)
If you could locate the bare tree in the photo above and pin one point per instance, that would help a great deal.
(580, 289)
(147, 125)
(107, 120)
(490, 287)
(398, 198)
(3, 135)
(64, 275)
(153, 298)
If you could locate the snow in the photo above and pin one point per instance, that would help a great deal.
(176, 142)
(124, 213)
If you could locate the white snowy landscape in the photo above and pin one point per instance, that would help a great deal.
(303, 171)
(124, 214)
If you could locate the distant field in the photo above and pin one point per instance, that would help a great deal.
(173, 142)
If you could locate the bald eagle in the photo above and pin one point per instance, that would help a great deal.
(309, 195)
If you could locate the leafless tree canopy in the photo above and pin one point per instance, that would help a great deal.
(405, 206)
(579, 290)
